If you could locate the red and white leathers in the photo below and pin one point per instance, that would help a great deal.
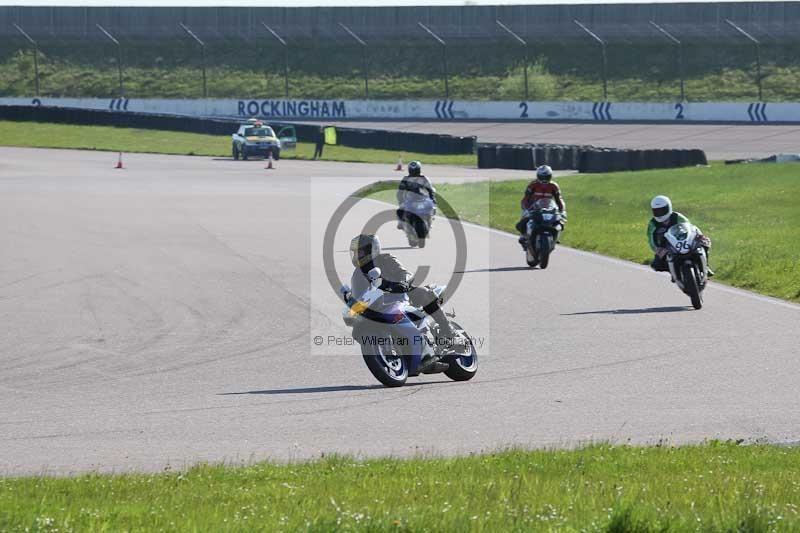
(538, 190)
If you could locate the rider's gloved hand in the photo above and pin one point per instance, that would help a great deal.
(661, 252)
(345, 292)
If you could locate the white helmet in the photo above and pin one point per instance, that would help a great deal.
(662, 208)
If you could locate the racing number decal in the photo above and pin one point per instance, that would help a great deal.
(679, 107)
(524, 107)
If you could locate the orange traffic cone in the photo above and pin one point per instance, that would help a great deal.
(399, 166)
(270, 162)
(119, 161)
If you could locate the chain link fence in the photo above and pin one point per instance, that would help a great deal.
(741, 51)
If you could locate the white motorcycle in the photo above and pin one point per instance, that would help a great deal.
(416, 218)
(385, 333)
(687, 260)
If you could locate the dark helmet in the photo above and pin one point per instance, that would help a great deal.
(544, 173)
(364, 249)
(415, 168)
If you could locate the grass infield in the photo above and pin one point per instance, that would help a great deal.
(751, 212)
(711, 487)
(109, 138)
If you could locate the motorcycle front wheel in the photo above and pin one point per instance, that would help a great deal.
(544, 250)
(389, 368)
(692, 287)
(530, 254)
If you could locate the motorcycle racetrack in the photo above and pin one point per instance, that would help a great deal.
(171, 312)
(719, 141)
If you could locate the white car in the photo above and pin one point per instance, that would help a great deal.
(255, 138)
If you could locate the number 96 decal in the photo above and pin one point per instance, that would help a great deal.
(683, 246)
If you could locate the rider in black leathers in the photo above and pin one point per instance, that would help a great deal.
(365, 254)
(414, 186)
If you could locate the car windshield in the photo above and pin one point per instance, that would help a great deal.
(259, 132)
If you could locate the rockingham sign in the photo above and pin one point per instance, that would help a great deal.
(292, 108)
(438, 110)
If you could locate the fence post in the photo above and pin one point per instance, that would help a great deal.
(444, 57)
(525, 47)
(119, 57)
(758, 55)
(202, 55)
(605, 61)
(680, 54)
(285, 57)
(363, 57)
(35, 57)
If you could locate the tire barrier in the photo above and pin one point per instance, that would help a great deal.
(95, 117)
(598, 160)
(425, 143)
(487, 156)
(589, 159)
(540, 154)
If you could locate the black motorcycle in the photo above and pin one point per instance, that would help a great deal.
(545, 224)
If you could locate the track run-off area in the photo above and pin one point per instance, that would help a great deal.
(167, 313)
(719, 141)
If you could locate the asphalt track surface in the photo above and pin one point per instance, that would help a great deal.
(165, 314)
(720, 141)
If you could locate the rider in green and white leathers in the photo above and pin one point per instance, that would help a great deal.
(655, 237)
(663, 219)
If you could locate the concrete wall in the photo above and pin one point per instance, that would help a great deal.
(771, 20)
(438, 110)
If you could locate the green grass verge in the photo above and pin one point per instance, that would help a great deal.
(44, 135)
(751, 212)
(713, 487)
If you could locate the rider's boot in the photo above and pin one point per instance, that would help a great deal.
(432, 364)
(522, 240)
(446, 335)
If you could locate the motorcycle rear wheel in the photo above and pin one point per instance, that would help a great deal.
(463, 367)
